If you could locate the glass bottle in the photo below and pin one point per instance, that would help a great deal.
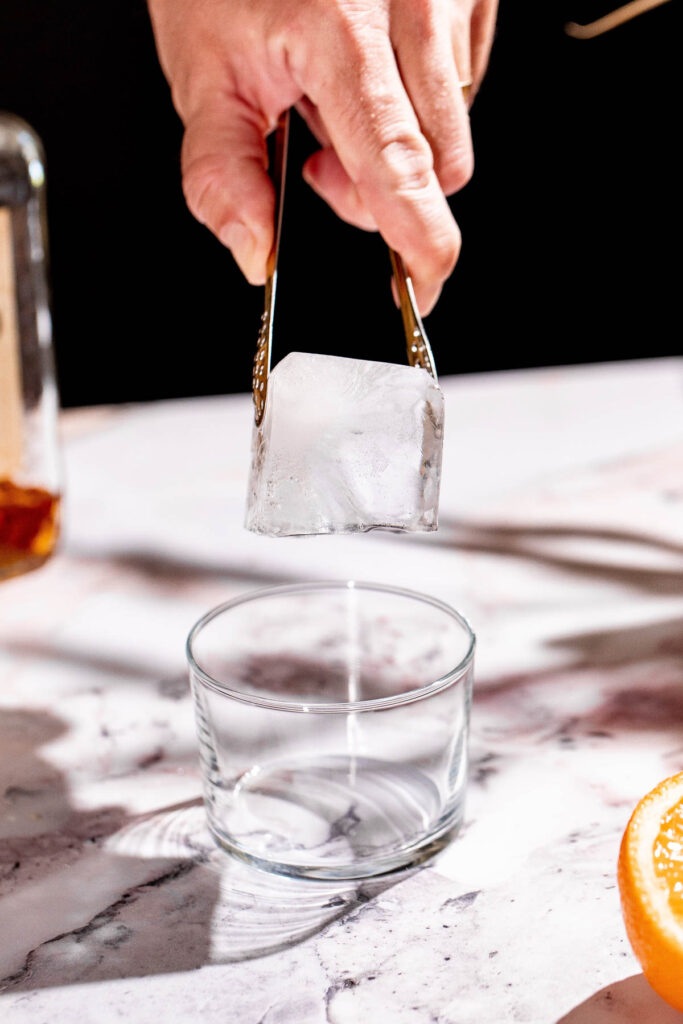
(29, 458)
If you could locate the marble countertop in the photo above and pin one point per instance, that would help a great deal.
(561, 540)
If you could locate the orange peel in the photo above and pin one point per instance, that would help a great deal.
(651, 887)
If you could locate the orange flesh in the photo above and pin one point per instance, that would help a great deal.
(668, 857)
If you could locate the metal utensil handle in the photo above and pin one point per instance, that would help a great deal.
(417, 344)
(264, 347)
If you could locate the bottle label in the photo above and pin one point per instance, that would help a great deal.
(11, 403)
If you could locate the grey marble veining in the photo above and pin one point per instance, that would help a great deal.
(561, 539)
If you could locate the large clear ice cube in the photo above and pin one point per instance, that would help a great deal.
(346, 445)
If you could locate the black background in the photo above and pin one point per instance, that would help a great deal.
(570, 225)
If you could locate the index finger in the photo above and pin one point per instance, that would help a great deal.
(376, 135)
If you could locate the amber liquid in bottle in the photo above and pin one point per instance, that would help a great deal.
(29, 502)
(29, 526)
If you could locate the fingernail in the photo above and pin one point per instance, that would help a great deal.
(244, 247)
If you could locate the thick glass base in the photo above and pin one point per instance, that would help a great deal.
(333, 818)
(411, 857)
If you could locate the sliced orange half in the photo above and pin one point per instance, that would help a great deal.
(651, 887)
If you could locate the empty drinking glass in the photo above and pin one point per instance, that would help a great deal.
(333, 722)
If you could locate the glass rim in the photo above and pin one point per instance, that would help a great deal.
(331, 707)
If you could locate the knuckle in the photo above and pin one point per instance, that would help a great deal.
(445, 252)
(187, 84)
(180, 92)
(455, 170)
(353, 32)
(407, 162)
(198, 181)
(444, 245)
(424, 27)
(353, 21)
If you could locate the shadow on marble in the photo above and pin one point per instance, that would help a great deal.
(517, 532)
(530, 543)
(630, 1001)
(649, 701)
(175, 687)
(169, 568)
(256, 912)
(159, 569)
(156, 896)
(625, 644)
(631, 644)
(37, 817)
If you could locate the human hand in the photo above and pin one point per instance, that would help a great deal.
(379, 83)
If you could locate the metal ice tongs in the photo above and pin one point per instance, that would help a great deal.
(417, 345)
